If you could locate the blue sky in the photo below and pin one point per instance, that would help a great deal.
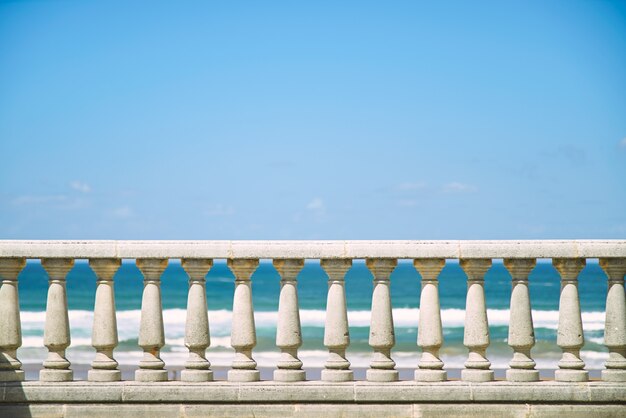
(324, 120)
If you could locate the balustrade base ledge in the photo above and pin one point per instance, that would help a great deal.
(312, 392)
(324, 410)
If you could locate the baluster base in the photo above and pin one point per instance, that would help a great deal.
(283, 375)
(332, 375)
(145, 375)
(426, 375)
(52, 375)
(610, 375)
(522, 375)
(12, 376)
(381, 375)
(196, 375)
(476, 375)
(570, 375)
(98, 375)
(236, 375)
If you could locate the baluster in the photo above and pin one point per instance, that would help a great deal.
(151, 332)
(429, 331)
(10, 324)
(197, 335)
(570, 331)
(288, 332)
(382, 334)
(243, 332)
(56, 336)
(104, 334)
(521, 331)
(476, 335)
(336, 331)
(615, 324)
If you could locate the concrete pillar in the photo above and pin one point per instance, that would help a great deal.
(56, 335)
(243, 334)
(521, 331)
(104, 333)
(429, 331)
(288, 331)
(476, 335)
(197, 335)
(615, 324)
(336, 331)
(151, 331)
(382, 334)
(570, 331)
(10, 324)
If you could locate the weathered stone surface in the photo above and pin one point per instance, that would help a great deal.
(570, 335)
(476, 334)
(197, 335)
(429, 330)
(241, 410)
(306, 392)
(104, 333)
(243, 331)
(336, 330)
(151, 331)
(56, 335)
(382, 334)
(10, 323)
(476, 410)
(310, 410)
(313, 249)
(337, 394)
(288, 329)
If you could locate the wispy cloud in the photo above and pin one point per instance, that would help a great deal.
(622, 143)
(63, 201)
(219, 210)
(59, 201)
(410, 186)
(80, 186)
(407, 203)
(38, 200)
(458, 187)
(315, 209)
(316, 205)
(123, 212)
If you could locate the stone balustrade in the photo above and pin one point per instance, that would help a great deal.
(336, 257)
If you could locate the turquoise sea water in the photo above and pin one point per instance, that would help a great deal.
(312, 288)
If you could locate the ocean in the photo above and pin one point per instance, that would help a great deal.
(312, 287)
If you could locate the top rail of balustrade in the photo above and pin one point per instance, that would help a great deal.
(454, 249)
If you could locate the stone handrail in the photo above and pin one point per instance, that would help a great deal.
(197, 257)
(313, 249)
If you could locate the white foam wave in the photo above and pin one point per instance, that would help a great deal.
(220, 323)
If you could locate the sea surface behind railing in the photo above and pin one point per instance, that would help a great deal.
(312, 288)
